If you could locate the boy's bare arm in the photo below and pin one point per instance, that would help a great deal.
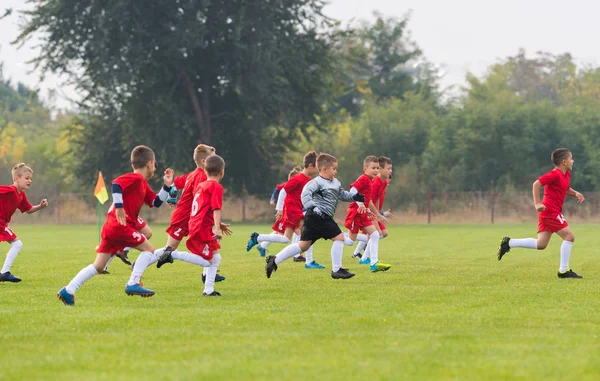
(217, 228)
(537, 187)
(41, 205)
(573, 193)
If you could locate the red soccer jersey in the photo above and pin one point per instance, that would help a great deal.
(10, 201)
(293, 192)
(556, 184)
(208, 197)
(181, 214)
(180, 181)
(136, 193)
(363, 186)
(378, 192)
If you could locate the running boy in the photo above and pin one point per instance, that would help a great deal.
(557, 185)
(12, 198)
(129, 191)
(205, 227)
(320, 198)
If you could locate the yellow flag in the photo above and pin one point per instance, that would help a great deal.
(100, 191)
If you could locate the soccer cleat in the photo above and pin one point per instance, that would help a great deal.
(65, 297)
(262, 250)
(313, 265)
(214, 293)
(123, 257)
(380, 267)
(365, 261)
(270, 266)
(253, 241)
(104, 272)
(342, 273)
(8, 277)
(137, 289)
(504, 247)
(301, 258)
(218, 278)
(357, 255)
(569, 274)
(165, 257)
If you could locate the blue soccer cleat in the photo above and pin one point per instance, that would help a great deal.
(65, 297)
(262, 250)
(8, 277)
(137, 289)
(380, 267)
(253, 241)
(313, 265)
(365, 261)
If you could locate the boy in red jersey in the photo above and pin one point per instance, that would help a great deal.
(378, 188)
(358, 216)
(12, 198)
(205, 227)
(293, 216)
(557, 185)
(129, 191)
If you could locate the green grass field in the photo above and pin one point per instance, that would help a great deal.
(447, 310)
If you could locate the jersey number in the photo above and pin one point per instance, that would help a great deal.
(7, 229)
(137, 236)
(561, 219)
(177, 232)
(195, 205)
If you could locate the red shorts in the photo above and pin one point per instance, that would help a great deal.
(116, 238)
(6, 234)
(140, 224)
(356, 221)
(552, 225)
(205, 249)
(292, 220)
(178, 231)
(278, 226)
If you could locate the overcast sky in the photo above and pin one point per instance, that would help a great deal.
(460, 35)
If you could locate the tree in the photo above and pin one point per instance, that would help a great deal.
(244, 75)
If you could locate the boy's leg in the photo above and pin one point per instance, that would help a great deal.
(105, 270)
(209, 285)
(540, 243)
(66, 294)
(146, 258)
(288, 252)
(298, 257)
(337, 251)
(565, 253)
(374, 250)
(5, 275)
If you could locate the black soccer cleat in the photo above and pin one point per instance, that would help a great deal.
(569, 274)
(342, 273)
(104, 272)
(214, 293)
(301, 258)
(165, 257)
(270, 266)
(218, 278)
(8, 277)
(504, 247)
(123, 257)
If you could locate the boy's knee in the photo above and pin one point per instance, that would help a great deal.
(542, 245)
(570, 237)
(216, 259)
(17, 244)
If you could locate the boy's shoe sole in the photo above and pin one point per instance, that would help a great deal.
(504, 247)
(253, 241)
(270, 266)
(165, 257)
(136, 289)
(65, 297)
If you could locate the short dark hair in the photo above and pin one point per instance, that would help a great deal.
(383, 161)
(140, 156)
(370, 159)
(325, 160)
(213, 165)
(560, 154)
(310, 158)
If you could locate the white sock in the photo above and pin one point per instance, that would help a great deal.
(359, 247)
(309, 255)
(528, 243)
(565, 254)
(83, 276)
(273, 238)
(128, 248)
(296, 239)
(108, 263)
(337, 249)
(15, 247)
(374, 250)
(141, 263)
(287, 252)
(205, 270)
(264, 244)
(209, 285)
(190, 258)
(347, 240)
(362, 237)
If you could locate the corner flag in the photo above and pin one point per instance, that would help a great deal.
(100, 191)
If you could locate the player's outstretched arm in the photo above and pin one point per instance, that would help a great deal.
(218, 234)
(537, 187)
(573, 193)
(41, 205)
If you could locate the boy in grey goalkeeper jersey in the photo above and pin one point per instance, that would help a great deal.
(320, 197)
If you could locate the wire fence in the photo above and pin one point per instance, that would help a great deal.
(481, 207)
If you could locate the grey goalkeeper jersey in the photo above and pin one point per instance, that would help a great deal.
(324, 194)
